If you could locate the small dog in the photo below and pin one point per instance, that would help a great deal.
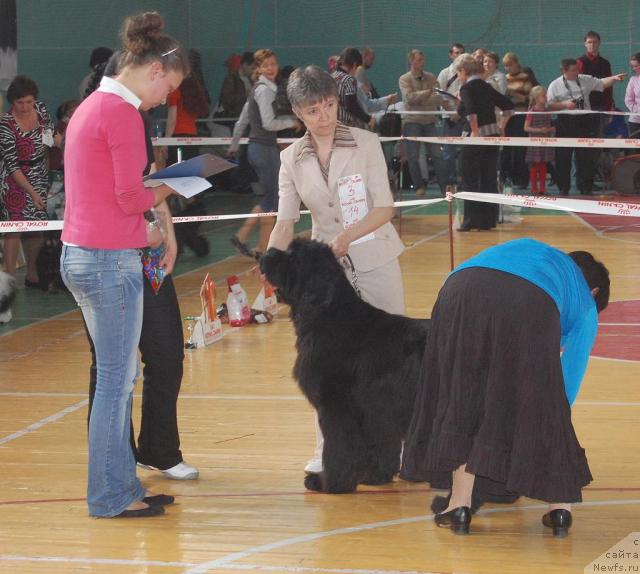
(8, 292)
(357, 365)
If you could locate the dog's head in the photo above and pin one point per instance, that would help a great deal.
(306, 276)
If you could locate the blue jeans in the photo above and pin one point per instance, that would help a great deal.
(265, 160)
(435, 153)
(107, 285)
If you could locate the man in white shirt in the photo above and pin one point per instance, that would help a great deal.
(448, 77)
(448, 81)
(571, 91)
(368, 58)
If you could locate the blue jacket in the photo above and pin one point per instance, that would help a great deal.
(557, 274)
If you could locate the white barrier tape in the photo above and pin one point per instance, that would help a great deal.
(19, 226)
(516, 113)
(186, 141)
(611, 143)
(601, 207)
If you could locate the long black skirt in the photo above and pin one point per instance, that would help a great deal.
(492, 392)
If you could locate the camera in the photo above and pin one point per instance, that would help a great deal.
(579, 102)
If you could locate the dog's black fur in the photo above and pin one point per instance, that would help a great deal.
(357, 365)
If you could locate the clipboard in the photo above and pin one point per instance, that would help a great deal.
(204, 165)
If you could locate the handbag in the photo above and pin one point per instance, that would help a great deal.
(281, 104)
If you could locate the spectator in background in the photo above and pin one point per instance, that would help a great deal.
(593, 64)
(572, 90)
(26, 134)
(246, 71)
(99, 58)
(478, 55)
(632, 97)
(185, 106)
(368, 57)
(418, 94)
(478, 102)
(451, 126)
(350, 111)
(332, 63)
(233, 93)
(264, 155)
(448, 77)
(520, 80)
(63, 115)
(494, 77)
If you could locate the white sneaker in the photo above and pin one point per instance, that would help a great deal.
(181, 471)
(314, 466)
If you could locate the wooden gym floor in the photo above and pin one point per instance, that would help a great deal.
(245, 425)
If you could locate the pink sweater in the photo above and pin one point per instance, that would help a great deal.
(104, 159)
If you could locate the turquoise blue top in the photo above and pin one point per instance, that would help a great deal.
(557, 274)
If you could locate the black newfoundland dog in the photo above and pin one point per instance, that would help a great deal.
(357, 365)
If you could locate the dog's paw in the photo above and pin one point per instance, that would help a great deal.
(313, 482)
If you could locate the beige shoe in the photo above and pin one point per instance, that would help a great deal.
(420, 191)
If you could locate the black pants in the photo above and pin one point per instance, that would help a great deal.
(581, 126)
(162, 350)
(512, 162)
(479, 174)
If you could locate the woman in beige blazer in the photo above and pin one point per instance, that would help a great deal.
(316, 170)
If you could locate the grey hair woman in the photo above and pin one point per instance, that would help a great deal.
(310, 85)
(319, 170)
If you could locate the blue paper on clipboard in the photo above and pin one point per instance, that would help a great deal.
(204, 165)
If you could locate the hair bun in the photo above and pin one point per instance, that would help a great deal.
(140, 31)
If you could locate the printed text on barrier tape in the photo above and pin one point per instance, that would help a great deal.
(610, 143)
(602, 207)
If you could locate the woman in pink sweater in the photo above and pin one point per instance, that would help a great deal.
(104, 229)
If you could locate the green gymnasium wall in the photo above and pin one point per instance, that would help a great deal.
(55, 37)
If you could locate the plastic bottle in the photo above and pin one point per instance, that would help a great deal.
(237, 303)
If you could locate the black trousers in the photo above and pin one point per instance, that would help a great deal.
(162, 350)
(512, 162)
(581, 126)
(479, 174)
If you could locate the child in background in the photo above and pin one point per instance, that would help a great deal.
(538, 125)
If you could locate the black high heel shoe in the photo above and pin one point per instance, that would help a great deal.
(457, 519)
(560, 520)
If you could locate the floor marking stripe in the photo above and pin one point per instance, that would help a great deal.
(235, 556)
(256, 567)
(50, 419)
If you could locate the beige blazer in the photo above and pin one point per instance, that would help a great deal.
(301, 181)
